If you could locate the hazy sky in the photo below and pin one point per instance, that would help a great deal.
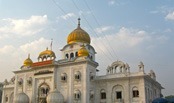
(126, 30)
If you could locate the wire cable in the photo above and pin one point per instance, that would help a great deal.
(93, 30)
(100, 26)
(62, 10)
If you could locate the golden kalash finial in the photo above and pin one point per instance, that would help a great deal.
(28, 61)
(79, 22)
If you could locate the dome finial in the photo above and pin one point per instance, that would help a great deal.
(29, 55)
(79, 22)
(28, 61)
(51, 44)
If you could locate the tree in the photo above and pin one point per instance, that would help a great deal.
(169, 96)
(0, 96)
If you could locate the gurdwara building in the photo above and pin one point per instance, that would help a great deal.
(73, 79)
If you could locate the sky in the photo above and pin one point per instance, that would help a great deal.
(127, 30)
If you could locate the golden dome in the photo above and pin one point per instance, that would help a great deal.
(28, 61)
(83, 52)
(47, 53)
(78, 35)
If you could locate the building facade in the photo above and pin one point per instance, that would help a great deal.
(1, 89)
(74, 76)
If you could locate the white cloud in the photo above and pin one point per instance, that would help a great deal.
(84, 12)
(162, 38)
(129, 45)
(170, 16)
(103, 29)
(125, 38)
(34, 48)
(7, 49)
(69, 15)
(37, 46)
(22, 27)
(117, 2)
(12, 57)
(111, 2)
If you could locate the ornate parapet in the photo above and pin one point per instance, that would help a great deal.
(141, 67)
(118, 67)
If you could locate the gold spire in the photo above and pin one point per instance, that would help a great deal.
(79, 22)
(51, 44)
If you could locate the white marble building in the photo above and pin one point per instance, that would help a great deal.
(74, 78)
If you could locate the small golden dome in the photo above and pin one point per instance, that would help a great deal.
(28, 61)
(83, 52)
(47, 53)
(78, 35)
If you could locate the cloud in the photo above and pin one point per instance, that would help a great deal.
(129, 45)
(7, 49)
(103, 29)
(125, 37)
(22, 27)
(22, 51)
(117, 2)
(69, 15)
(82, 13)
(11, 57)
(124, 43)
(111, 2)
(129, 38)
(170, 16)
(37, 46)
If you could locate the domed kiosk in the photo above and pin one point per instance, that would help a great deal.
(47, 54)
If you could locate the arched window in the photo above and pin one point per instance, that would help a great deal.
(77, 95)
(103, 94)
(91, 94)
(135, 92)
(91, 57)
(117, 93)
(91, 76)
(67, 56)
(77, 76)
(46, 91)
(29, 81)
(20, 81)
(11, 97)
(44, 58)
(6, 98)
(63, 77)
(72, 55)
(76, 54)
(43, 90)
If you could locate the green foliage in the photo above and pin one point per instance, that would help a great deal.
(169, 96)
